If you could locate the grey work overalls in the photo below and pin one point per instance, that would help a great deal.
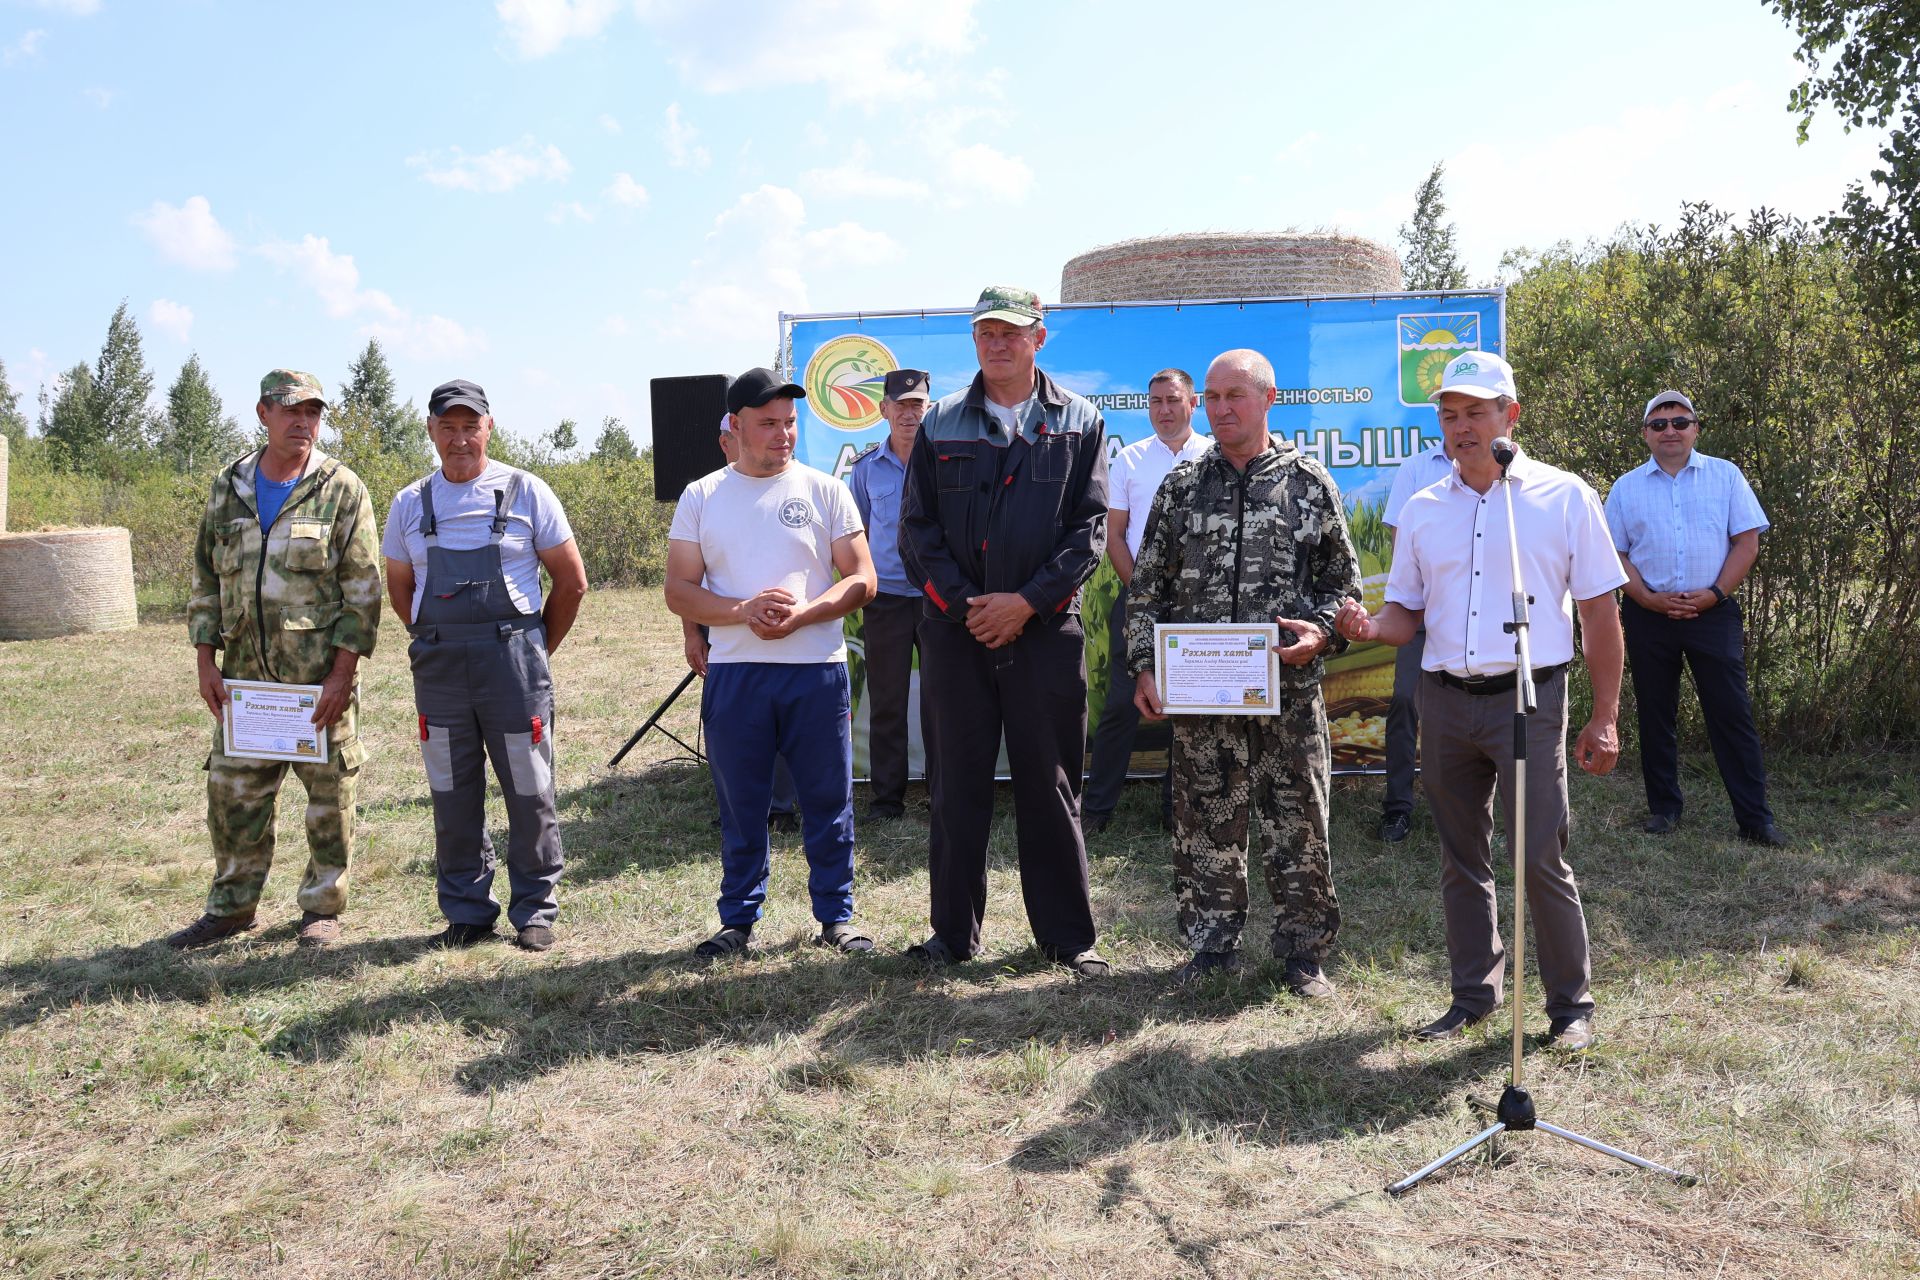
(482, 687)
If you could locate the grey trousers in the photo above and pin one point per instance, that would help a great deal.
(1403, 726)
(1468, 756)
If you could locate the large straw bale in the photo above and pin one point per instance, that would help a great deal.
(65, 582)
(1230, 264)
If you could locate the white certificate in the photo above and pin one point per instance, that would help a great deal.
(266, 721)
(1217, 669)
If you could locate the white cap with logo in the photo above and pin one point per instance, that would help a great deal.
(1477, 373)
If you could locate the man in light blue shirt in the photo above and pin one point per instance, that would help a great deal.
(1403, 711)
(890, 622)
(1688, 528)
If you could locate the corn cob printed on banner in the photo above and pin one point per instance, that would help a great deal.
(1351, 374)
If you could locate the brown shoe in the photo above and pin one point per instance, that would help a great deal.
(209, 929)
(317, 930)
(1570, 1035)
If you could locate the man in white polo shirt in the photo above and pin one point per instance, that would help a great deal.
(1452, 572)
(753, 554)
(1132, 481)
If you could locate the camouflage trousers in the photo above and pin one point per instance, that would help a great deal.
(242, 803)
(1255, 787)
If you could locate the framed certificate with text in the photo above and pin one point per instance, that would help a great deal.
(1217, 669)
(265, 721)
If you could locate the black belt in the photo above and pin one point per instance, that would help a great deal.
(1502, 683)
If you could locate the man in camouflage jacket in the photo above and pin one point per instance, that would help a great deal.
(292, 598)
(1251, 531)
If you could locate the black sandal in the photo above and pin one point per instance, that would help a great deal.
(842, 936)
(933, 951)
(728, 942)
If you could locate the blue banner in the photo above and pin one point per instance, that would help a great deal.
(1353, 376)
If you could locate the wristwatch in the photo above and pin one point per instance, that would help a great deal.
(1719, 596)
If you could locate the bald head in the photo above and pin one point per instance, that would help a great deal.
(1245, 361)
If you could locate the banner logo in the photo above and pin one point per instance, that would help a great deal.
(846, 379)
(1427, 342)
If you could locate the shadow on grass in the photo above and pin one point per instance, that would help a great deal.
(876, 1009)
(1302, 1091)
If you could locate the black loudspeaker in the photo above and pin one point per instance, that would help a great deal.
(686, 430)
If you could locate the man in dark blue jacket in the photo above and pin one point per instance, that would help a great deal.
(1004, 517)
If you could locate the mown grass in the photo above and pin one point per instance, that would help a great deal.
(383, 1109)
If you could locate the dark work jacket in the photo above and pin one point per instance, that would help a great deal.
(981, 516)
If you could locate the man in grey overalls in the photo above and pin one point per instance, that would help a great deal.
(464, 550)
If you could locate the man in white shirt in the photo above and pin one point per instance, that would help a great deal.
(1452, 572)
(752, 554)
(1132, 481)
(1403, 712)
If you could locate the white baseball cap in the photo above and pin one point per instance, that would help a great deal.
(1668, 397)
(1477, 373)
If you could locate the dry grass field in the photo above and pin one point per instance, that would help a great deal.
(606, 1109)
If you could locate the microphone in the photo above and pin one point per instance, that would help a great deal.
(1503, 452)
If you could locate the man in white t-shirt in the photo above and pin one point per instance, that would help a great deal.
(752, 555)
(1452, 571)
(1132, 481)
(464, 550)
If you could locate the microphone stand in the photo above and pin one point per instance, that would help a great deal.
(1516, 1111)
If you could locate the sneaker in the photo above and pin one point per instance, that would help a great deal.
(317, 930)
(1205, 964)
(535, 937)
(459, 936)
(1305, 980)
(1395, 827)
(209, 929)
(1570, 1035)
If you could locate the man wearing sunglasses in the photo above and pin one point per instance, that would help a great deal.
(1688, 528)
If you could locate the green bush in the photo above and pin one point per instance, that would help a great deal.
(1798, 379)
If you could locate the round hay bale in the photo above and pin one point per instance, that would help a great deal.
(1230, 264)
(65, 582)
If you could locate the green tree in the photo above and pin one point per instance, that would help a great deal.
(614, 444)
(1863, 60)
(13, 423)
(1432, 258)
(68, 421)
(196, 432)
(370, 393)
(565, 437)
(122, 387)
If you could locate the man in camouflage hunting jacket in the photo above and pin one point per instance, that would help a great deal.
(1251, 531)
(286, 586)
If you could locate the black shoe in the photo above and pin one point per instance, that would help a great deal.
(535, 937)
(885, 813)
(1092, 824)
(1570, 1035)
(1449, 1025)
(1305, 980)
(456, 936)
(1660, 824)
(1395, 827)
(1768, 835)
(787, 823)
(1206, 963)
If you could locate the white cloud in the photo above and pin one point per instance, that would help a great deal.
(615, 326)
(681, 140)
(746, 272)
(72, 8)
(501, 169)
(175, 319)
(335, 280)
(27, 46)
(858, 178)
(99, 97)
(980, 172)
(569, 211)
(849, 244)
(188, 234)
(1300, 147)
(623, 190)
(538, 27)
(609, 123)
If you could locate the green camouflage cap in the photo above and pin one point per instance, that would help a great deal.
(290, 386)
(1004, 302)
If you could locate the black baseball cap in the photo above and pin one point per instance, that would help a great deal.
(458, 392)
(757, 386)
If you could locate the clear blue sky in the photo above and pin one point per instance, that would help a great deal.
(563, 200)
